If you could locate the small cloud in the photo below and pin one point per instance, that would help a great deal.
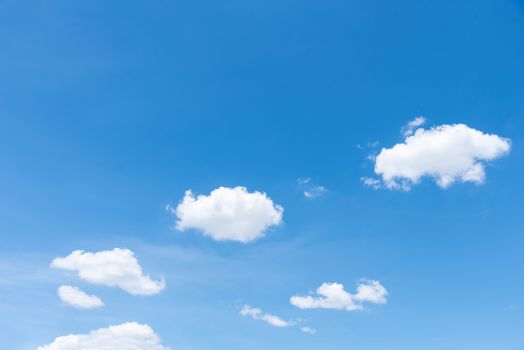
(77, 298)
(113, 268)
(409, 128)
(272, 320)
(369, 291)
(258, 314)
(309, 190)
(314, 192)
(369, 145)
(228, 214)
(308, 330)
(371, 182)
(371, 149)
(303, 181)
(333, 296)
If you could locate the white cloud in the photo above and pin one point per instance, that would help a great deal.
(409, 128)
(371, 292)
(310, 190)
(333, 296)
(447, 153)
(232, 214)
(127, 336)
(315, 191)
(79, 299)
(308, 330)
(258, 314)
(371, 182)
(303, 181)
(114, 268)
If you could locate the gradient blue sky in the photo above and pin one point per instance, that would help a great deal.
(111, 110)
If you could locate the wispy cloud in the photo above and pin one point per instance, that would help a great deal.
(258, 314)
(409, 128)
(310, 190)
(273, 320)
(371, 182)
(308, 330)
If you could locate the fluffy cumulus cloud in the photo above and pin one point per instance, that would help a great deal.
(258, 314)
(114, 268)
(232, 214)
(127, 336)
(447, 154)
(77, 298)
(371, 292)
(333, 296)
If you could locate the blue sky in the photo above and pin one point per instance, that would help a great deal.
(109, 111)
